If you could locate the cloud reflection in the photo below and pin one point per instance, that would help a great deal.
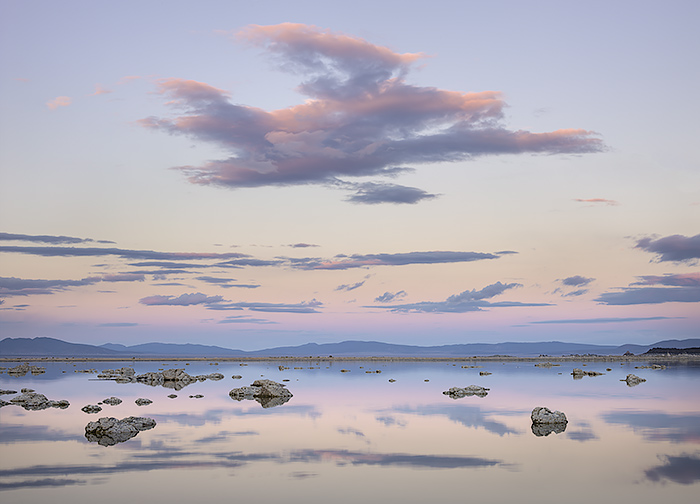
(682, 469)
(658, 426)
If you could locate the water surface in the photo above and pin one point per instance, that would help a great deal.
(350, 436)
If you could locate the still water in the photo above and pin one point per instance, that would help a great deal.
(355, 436)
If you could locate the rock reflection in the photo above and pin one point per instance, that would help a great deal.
(267, 393)
(543, 430)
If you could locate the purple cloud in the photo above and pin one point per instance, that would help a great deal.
(576, 281)
(678, 280)
(226, 283)
(602, 320)
(303, 307)
(676, 248)
(47, 238)
(12, 286)
(182, 300)
(651, 295)
(123, 253)
(467, 301)
(372, 193)
(362, 119)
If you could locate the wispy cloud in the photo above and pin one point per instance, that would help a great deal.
(242, 319)
(303, 307)
(59, 101)
(350, 287)
(182, 300)
(609, 320)
(677, 280)
(675, 248)
(123, 253)
(226, 283)
(342, 262)
(467, 301)
(13, 286)
(361, 119)
(651, 295)
(99, 90)
(388, 297)
(576, 281)
(372, 193)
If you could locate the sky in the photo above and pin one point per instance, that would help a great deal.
(259, 174)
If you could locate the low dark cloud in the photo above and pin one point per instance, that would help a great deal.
(302, 245)
(303, 307)
(241, 319)
(12, 286)
(240, 263)
(47, 238)
(342, 457)
(467, 301)
(226, 283)
(610, 320)
(361, 119)
(373, 193)
(119, 324)
(651, 295)
(388, 297)
(182, 300)
(123, 253)
(576, 293)
(342, 262)
(350, 287)
(675, 248)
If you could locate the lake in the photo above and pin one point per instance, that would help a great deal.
(355, 436)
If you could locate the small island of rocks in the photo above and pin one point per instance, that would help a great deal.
(266, 392)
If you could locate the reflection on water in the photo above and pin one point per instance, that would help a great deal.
(350, 436)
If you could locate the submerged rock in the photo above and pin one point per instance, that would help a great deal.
(544, 416)
(580, 373)
(108, 431)
(266, 392)
(5, 392)
(471, 390)
(484, 373)
(633, 380)
(32, 401)
(546, 365)
(23, 369)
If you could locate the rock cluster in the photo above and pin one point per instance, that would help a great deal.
(633, 380)
(112, 401)
(653, 366)
(108, 431)
(471, 390)
(580, 373)
(546, 365)
(23, 369)
(170, 378)
(32, 401)
(4, 392)
(266, 392)
(142, 401)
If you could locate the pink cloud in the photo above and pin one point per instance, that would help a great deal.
(361, 117)
(59, 101)
(99, 90)
(598, 200)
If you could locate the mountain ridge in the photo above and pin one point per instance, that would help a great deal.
(52, 347)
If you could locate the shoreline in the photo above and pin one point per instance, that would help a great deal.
(488, 358)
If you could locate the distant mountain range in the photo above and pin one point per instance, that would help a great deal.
(51, 347)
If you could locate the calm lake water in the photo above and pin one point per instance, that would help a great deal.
(356, 437)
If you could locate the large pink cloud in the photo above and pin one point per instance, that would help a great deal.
(361, 118)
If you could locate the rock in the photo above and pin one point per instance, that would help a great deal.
(215, 376)
(344, 370)
(25, 390)
(541, 415)
(580, 373)
(471, 390)
(172, 396)
(23, 369)
(112, 401)
(391, 380)
(236, 377)
(5, 392)
(653, 366)
(266, 392)
(91, 408)
(31, 401)
(633, 380)
(141, 401)
(546, 365)
(4, 403)
(198, 396)
(108, 431)
(484, 373)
